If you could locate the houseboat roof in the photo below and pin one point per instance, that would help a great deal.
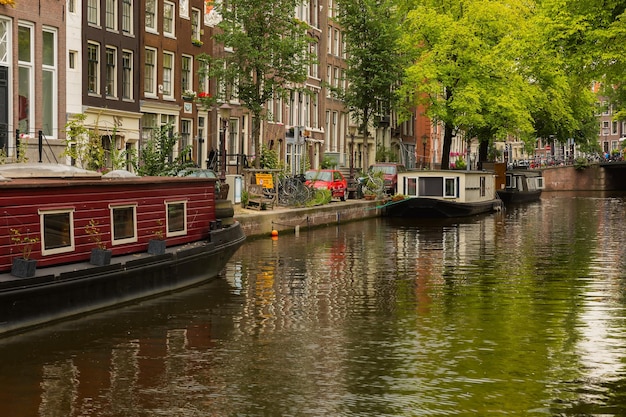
(44, 170)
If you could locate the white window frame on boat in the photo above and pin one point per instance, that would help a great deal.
(42, 223)
(178, 232)
(124, 240)
(454, 193)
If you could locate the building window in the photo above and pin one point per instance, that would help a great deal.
(26, 78)
(124, 225)
(127, 16)
(185, 138)
(93, 67)
(111, 57)
(195, 24)
(49, 90)
(185, 73)
(151, 16)
(127, 75)
(168, 18)
(93, 12)
(168, 72)
(149, 81)
(71, 6)
(71, 59)
(176, 218)
(111, 14)
(57, 228)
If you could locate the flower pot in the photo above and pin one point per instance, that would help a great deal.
(100, 257)
(156, 247)
(24, 268)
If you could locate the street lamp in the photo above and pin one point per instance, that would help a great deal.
(352, 133)
(224, 112)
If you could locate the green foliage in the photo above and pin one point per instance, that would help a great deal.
(374, 63)
(460, 163)
(270, 55)
(581, 163)
(84, 145)
(269, 158)
(157, 154)
(319, 198)
(328, 162)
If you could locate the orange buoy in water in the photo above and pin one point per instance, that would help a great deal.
(274, 233)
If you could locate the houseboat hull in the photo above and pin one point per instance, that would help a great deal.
(437, 208)
(519, 197)
(61, 292)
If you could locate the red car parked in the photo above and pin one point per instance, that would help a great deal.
(390, 172)
(328, 179)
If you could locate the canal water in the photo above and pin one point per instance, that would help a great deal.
(518, 313)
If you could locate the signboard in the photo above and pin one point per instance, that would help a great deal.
(266, 180)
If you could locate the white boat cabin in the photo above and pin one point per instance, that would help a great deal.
(453, 185)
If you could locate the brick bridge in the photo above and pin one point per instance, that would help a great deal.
(609, 176)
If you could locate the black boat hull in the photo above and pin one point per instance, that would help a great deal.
(78, 289)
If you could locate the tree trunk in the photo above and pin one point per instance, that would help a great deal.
(256, 135)
(447, 143)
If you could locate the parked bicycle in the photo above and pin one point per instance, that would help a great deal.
(293, 192)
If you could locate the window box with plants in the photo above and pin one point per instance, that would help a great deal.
(100, 255)
(189, 95)
(196, 42)
(24, 266)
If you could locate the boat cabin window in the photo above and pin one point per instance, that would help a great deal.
(430, 186)
(483, 186)
(176, 218)
(450, 187)
(57, 231)
(411, 186)
(124, 224)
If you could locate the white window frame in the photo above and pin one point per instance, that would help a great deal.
(446, 180)
(64, 249)
(168, 75)
(171, 32)
(150, 88)
(96, 68)
(188, 85)
(93, 12)
(196, 23)
(174, 233)
(127, 6)
(50, 108)
(123, 240)
(127, 74)
(151, 12)
(110, 15)
(111, 82)
(30, 67)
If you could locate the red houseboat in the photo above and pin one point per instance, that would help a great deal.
(60, 214)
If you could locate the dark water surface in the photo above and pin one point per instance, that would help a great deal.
(520, 313)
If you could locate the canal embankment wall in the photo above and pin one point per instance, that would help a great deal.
(591, 178)
(258, 223)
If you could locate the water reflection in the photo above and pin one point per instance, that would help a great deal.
(517, 313)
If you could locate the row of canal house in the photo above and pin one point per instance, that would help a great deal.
(126, 65)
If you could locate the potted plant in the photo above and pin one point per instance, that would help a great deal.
(100, 255)
(23, 267)
(157, 245)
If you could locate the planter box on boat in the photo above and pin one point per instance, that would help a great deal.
(24, 268)
(100, 257)
(156, 246)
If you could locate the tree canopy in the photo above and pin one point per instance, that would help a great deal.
(267, 53)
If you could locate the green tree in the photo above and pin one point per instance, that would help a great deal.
(267, 54)
(374, 65)
(464, 67)
(157, 154)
